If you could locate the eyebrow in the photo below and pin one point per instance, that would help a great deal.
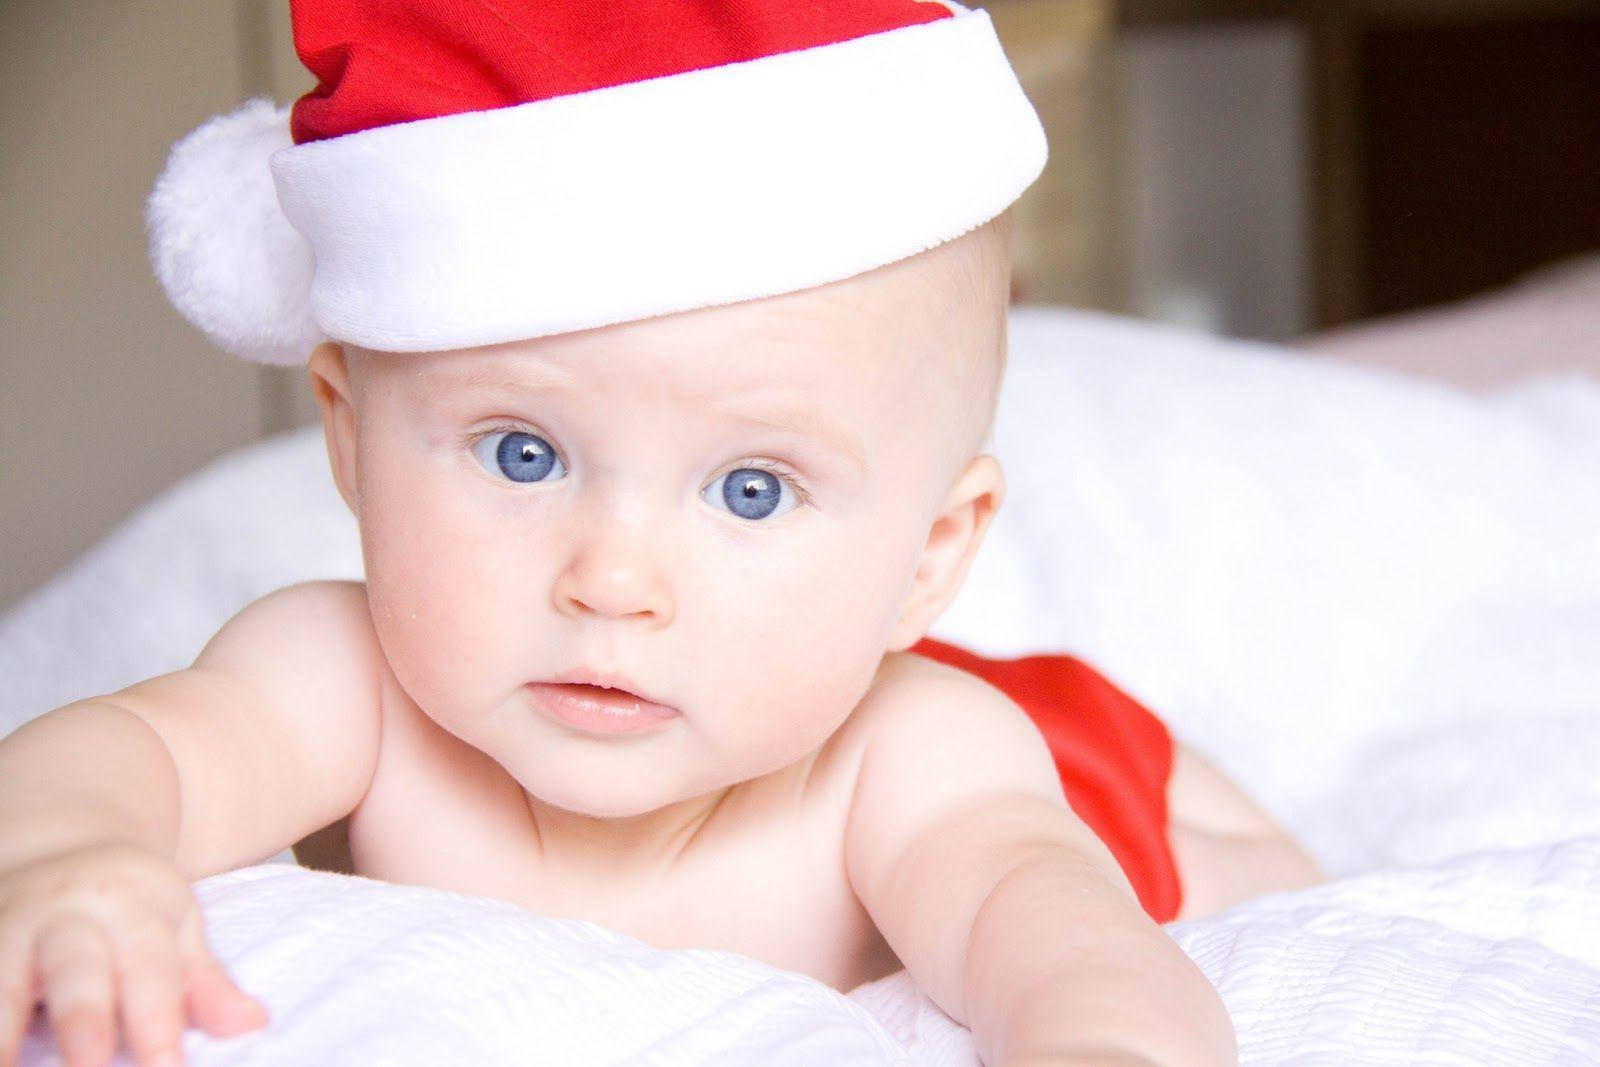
(800, 422)
(497, 378)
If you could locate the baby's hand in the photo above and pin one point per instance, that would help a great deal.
(103, 927)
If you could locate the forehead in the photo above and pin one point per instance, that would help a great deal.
(851, 341)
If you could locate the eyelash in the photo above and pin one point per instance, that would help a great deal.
(800, 487)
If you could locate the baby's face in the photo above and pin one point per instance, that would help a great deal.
(726, 507)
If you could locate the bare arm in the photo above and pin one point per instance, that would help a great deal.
(1006, 909)
(1063, 968)
(270, 734)
(110, 806)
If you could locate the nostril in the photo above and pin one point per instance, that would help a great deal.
(618, 593)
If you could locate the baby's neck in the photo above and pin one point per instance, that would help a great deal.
(624, 846)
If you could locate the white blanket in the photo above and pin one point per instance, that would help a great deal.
(1492, 958)
(1374, 601)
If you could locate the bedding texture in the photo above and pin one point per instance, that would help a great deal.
(1491, 958)
(1372, 600)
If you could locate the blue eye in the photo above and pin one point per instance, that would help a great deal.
(520, 456)
(752, 493)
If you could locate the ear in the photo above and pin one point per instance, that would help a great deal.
(330, 384)
(952, 542)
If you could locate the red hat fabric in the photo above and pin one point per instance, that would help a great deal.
(379, 63)
(470, 173)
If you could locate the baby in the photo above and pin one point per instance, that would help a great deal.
(635, 646)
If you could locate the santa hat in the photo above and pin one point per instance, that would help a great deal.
(469, 173)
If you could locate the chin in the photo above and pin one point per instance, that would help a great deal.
(608, 808)
(604, 799)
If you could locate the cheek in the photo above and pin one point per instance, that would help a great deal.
(819, 593)
(795, 638)
(451, 587)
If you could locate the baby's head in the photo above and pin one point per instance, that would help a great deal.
(737, 509)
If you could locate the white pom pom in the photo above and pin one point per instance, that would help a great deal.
(228, 259)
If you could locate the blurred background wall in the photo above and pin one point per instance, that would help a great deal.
(107, 395)
(1261, 168)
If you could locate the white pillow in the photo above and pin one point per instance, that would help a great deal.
(1287, 558)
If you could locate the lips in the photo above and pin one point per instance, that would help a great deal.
(621, 699)
(619, 684)
(599, 709)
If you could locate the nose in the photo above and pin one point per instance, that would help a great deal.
(611, 576)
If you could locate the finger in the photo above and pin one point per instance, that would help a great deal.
(151, 977)
(73, 957)
(220, 1008)
(215, 1003)
(16, 999)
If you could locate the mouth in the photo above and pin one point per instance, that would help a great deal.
(603, 682)
(594, 707)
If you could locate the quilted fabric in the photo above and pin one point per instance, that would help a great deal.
(1491, 958)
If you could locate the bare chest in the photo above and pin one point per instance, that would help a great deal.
(765, 878)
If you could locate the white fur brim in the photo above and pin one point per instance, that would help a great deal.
(692, 190)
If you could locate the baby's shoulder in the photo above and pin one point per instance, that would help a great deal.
(316, 605)
(908, 683)
(273, 730)
(904, 682)
(918, 701)
(321, 625)
(308, 655)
